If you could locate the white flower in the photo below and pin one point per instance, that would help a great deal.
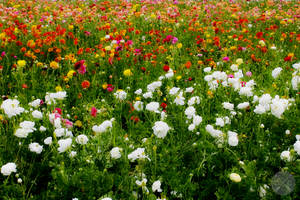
(207, 69)
(160, 129)
(148, 95)
(297, 147)
(243, 105)
(26, 128)
(138, 92)
(197, 120)
(262, 190)
(59, 132)
(105, 126)
(153, 86)
(139, 153)
(220, 122)
(278, 106)
(235, 177)
(296, 66)
(191, 127)
(64, 144)
(170, 74)
(179, 100)
(190, 112)
(285, 155)
(8, 168)
(48, 140)
(276, 72)
(36, 147)
(194, 100)
(152, 106)
(106, 198)
(234, 67)
(36, 103)
(11, 107)
(259, 109)
(295, 82)
(138, 106)
(213, 132)
(42, 128)
(174, 90)
(82, 139)
(120, 94)
(72, 154)
(37, 114)
(246, 91)
(189, 89)
(115, 153)
(51, 97)
(156, 186)
(232, 138)
(228, 106)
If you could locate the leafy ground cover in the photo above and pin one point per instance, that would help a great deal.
(149, 99)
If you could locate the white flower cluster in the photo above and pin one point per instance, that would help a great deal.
(139, 153)
(52, 97)
(26, 127)
(120, 94)
(11, 107)
(276, 105)
(296, 77)
(105, 126)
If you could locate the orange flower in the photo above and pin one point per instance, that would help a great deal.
(188, 64)
(85, 84)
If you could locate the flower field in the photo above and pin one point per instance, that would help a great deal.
(149, 99)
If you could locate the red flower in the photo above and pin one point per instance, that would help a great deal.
(85, 84)
(24, 86)
(188, 64)
(163, 105)
(166, 68)
(288, 58)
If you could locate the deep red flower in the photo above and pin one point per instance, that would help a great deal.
(163, 105)
(166, 68)
(85, 84)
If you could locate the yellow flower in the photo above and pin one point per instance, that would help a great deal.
(108, 48)
(138, 98)
(1, 117)
(104, 86)
(58, 88)
(70, 73)
(78, 123)
(239, 61)
(178, 78)
(235, 177)
(127, 72)
(39, 64)
(54, 65)
(179, 45)
(71, 27)
(21, 63)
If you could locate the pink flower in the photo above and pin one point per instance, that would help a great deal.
(93, 111)
(3, 53)
(57, 110)
(230, 75)
(226, 58)
(243, 83)
(110, 89)
(82, 69)
(174, 40)
(249, 73)
(68, 123)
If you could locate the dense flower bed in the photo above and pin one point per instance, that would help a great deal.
(149, 99)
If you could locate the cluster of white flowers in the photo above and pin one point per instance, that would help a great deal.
(276, 105)
(139, 153)
(160, 129)
(52, 97)
(214, 132)
(215, 78)
(61, 132)
(120, 94)
(8, 168)
(296, 78)
(153, 86)
(26, 127)
(105, 126)
(156, 186)
(11, 107)
(221, 121)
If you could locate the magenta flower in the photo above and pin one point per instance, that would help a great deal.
(249, 73)
(94, 111)
(174, 40)
(226, 58)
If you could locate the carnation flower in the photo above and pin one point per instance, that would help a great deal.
(160, 129)
(8, 168)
